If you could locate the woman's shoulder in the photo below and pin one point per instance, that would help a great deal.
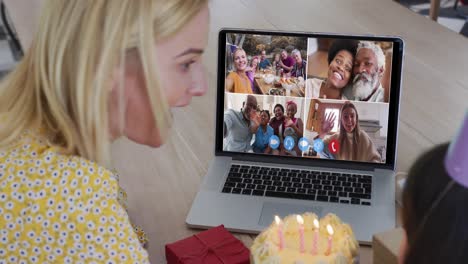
(73, 196)
(32, 156)
(315, 82)
(313, 87)
(269, 129)
(364, 137)
(233, 75)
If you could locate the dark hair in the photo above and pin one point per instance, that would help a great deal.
(342, 44)
(266, 112)
(442, 235)
(280, 106)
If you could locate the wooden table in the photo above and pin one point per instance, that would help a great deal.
(161, 183)
(265, 88)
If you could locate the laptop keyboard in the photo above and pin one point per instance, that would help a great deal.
(311, 185)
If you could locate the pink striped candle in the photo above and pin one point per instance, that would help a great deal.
(316, 234)
(300, 220)
(279, 224)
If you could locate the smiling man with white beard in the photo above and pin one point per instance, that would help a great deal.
(368, 70)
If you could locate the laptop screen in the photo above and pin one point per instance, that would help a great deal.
(310, 96)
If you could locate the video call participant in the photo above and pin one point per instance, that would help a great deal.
(368, 70)
(354, 143)
(264, 132)
(340, 69)
(286, 62)
(277, 122)
(264, 62)
(293, 127)
(251, 71)
(239, 126)
(237, 81)
(299, 68)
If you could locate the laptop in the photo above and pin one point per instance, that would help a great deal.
(305, 122)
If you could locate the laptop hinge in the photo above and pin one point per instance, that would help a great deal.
(307, 163)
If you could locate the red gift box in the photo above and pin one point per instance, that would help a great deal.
(212, 246)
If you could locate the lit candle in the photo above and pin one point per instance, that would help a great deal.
(316, 234)
(300, 220)
(330, 234)
(279, 224)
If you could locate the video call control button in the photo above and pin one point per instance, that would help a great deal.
(288, 143)
(334, 146)
(318, 145)
(304, 144)
(274, 142)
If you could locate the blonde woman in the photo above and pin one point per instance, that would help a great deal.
(237, 81)
(95, 71)
(354, 142)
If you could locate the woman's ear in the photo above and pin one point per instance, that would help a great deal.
(403, 249)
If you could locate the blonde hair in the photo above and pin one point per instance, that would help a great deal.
(63, 83)
(345, 147)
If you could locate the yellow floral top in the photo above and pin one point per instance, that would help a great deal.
(61, 209)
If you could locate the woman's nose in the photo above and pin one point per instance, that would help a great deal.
(199, 83)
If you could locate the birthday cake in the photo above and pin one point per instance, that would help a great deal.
(298, 240)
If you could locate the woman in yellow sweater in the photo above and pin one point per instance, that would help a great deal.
(96, 71)
(354, 143)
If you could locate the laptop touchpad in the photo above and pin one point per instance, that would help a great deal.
(270, 209)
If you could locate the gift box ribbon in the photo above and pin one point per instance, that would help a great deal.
(213, 249)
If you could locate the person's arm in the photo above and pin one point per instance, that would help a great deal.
(254, 122)
(288, 68)
(284, 66)
(227, 124)
(224, 129)
(372, 154)
(293, 71)
(299, 128)
(229, 86)
(254, 125)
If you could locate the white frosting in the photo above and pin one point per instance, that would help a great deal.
(265, 248)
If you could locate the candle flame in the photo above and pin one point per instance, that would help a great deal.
(316, 223)
(300, 220)
(277, 220)
(330, 230)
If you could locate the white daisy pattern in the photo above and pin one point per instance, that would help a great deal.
(56, 208)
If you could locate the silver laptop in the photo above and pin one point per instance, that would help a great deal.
(305, 122)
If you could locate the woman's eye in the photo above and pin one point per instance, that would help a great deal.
(186, 66)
